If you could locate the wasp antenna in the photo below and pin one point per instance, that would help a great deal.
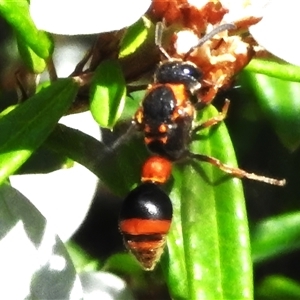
(158, 39)
(209, 36)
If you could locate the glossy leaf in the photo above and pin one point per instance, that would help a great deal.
(82, 261)
(33, 62)
(275, 236)
(119, 168)
(279, 101)
(214, 250)
(32, 256)
(134, 36)
(25, 128)
(107, 94)
(278, 287)
(132, 104)
(17, 15)
(173, 262)
(126, 264)
(278, 70)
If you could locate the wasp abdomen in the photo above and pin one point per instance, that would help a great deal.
(145, 219)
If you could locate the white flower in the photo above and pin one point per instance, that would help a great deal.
(63, 196)
(243, 9)
(73, 17)
(104, 286)
(277, 32)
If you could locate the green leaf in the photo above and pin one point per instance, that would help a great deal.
(134, 36)
(124, 263)
(118, 168)
(131, 106)
(33, 62)
(174, 265)
(82, 261)
(107, 94)
(17, 15)
(25, 128)
(278, 287)
(214, 250)
(124, 155)
(279, 100)
(275, 236)
(44, 161)
(278, 70)
(7, 110)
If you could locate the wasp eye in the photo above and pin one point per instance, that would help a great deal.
(179, 72)
(191, 72)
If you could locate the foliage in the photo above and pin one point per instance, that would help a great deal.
(209, 252)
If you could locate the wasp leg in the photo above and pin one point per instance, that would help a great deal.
(123, 138)
(236, 172)
(215, 120)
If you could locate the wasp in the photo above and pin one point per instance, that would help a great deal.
(166, 118)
